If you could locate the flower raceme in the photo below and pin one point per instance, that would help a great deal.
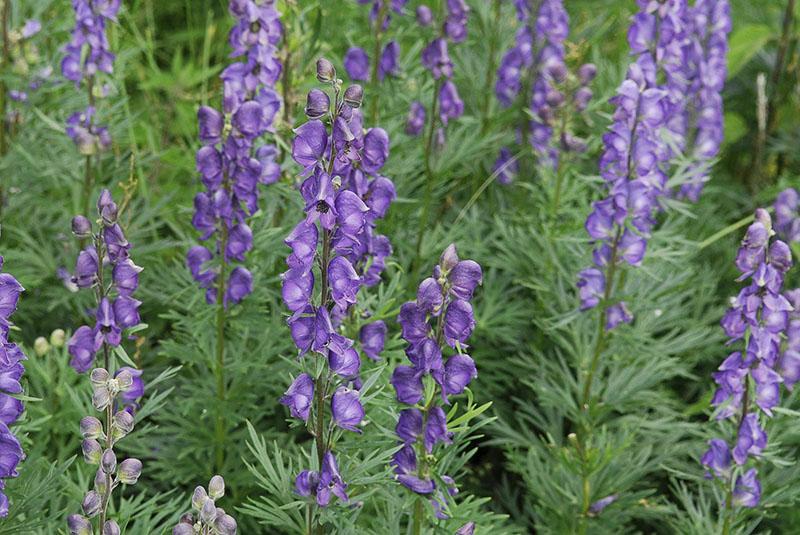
(440, 317)
(205, 516)
(344, 196)
(231, 163)
(11, 370)
(748, 381)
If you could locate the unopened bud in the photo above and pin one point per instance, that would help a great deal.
(326, 73)
(81, 226)
(41, 346)
(586, 73)
(100, 481)
(124, 380)
(353, 95)
(101, 398)
(216, 487)
(91, 503)
(122, 424)
(109, 461)
(91, 427)
(129, 471)
(107, 208)
(183, 529)
(111, 528)
(317, 104)
(424, 16)
(79, 525)
(199, 498)
(449, 259)
(208, 513)
(99, 376)
(57, 338)
(225, 525)
(92, 451)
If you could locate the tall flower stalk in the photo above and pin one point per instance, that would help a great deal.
(114, 391)
(760, 317)
(231, 166)
(11, 370)
(441, 317)
(88, 55)
(446, 104)
(344, 195)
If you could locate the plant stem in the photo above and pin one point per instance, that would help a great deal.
(379, 21)
(491, 66)
(4, 17)
(724, 232)
(418, 513)
(426, 213)
(87, 176)
(219, 432)
(286, 82)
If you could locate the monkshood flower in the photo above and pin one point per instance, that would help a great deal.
(787, 215)
(230, 163)
(205, 516)
(344, 196)
(447, 103)
(620, 224)
(86, 56)
(705, 66)
(105, 266)
(441, 317)
(749, 379)
(11, 370)
(533, 71)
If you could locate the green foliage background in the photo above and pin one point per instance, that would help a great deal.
(515, 464)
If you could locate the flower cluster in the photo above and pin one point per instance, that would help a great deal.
(11, 370)
(706, 68)
(787, 215)
(205, 516)
(230, 165)
(356, 60)
(749, 380)
(24, 54)
(114, 394)
(88, 54)
(621, 223)
(538, 54)
(440, 317)
(436, 58)
(117, 308)
(344, 196)
(98, 449)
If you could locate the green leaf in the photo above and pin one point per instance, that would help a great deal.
(746, 42)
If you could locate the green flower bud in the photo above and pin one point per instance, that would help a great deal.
(57, 338)
(40, 346)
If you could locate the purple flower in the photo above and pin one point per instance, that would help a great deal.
(409, 425)
(407, 383)
(83, 346)
(616, 314)
(356, 63)
(450, 104)
(390, 60)
(459, 322)
(598, 506)
(459, 371)
(300, 396)
(415, 122)
(436, 59)
(751, 439)
(346, 409)
(344, 281)
(330, 481)
(240, 285)
(506, 167)
(717, 458)
(133, 393)
(436, 429)
(591, 287)
(747, 490)
(373, 337)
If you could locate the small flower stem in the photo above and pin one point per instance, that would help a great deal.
(491, 66)
(733, 227)
(379, 21)
(426, 213)
(286, 81)
(219, 431)
(419, 512)
(87, 175)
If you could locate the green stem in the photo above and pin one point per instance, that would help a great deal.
(379, 21)
(286, 82)
(426, 213)
(219, 431)
(419, 511)
(491, 66)
(88, 179)
(724, 232)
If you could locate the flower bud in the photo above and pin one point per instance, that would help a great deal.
(79, 525)
(107, 208)
(225, 525)
(57, 338)
(81, 226)
(763, 217)
(187, 518)
(208, 513)
(109, 461)
(41, 346)
(586, 73)
(199, 498)
(554, 98)
(183, 529)
(111, 528)
(317, 104)
(449, 259)
(353, 95)
(91, 503)
(129, 471)
(216, 487)
(424, 16)
(91, 427)
(326, 73)
(100, 481)
(558, 71)
(122, 424)
(124, 380)
(582, 98)
(92, 451)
